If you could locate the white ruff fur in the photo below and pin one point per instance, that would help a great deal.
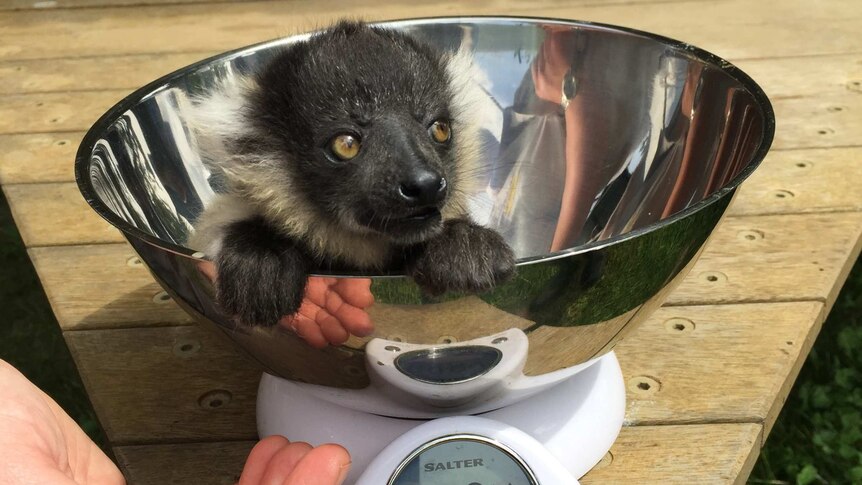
(261, 184)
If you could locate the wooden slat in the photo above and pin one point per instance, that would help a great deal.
(730, 363)
(710, 364)
(794, 249)
(39, 157)
(218, 463)
(56, 214)
(90, 73)
(52, 112)
(820, 180)
(806, 75)
(792, 28)
(825, 121)
(800, 181)
(802, 76)
(705, 454)
(61, 4)
(791, 257)
(802, 123)
(839, 127)
(158, 384)
(102, 286)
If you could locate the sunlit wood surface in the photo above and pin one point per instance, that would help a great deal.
(716, 386)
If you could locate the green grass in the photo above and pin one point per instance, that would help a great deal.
(818, 436)
(817, 439)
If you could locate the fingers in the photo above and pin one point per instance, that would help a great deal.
(324, 465)
(277, 461)
(260, 456)
(332, 328)
(332, 310)
(317, 288)
(355, 291)
(305, 325)
(354, 320)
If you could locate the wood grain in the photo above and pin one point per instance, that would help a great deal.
(821, 180)
(729, 363)
(38, 157)
(774, 258)
(61, 4)
(166, 384)
(217, 463)
(803, 76)
(791, 77)
(103, 286)
(724, 363)
(824, 121)
(56, 214)
(53, 112)
(801, 181)
(704, 454)
(809, 122)
(91, 73)
(806, 256)
(792, 27)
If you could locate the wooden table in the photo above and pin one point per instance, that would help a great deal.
(720, 356)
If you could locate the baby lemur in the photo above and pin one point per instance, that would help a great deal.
(351, 150)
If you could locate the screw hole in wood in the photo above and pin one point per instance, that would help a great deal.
(644, 385)
(678, 325)
(215, 399)
(186, 347)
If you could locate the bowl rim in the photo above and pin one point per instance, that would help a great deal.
(83, 155)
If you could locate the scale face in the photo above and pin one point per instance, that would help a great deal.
(465, 450)
(463, 459)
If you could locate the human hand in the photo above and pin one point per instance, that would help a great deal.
(332, 309)
(40, 443)
(277, 461)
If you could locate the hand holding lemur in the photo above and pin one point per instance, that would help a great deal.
(353, 150)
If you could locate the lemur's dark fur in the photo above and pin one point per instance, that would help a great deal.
(292, 206)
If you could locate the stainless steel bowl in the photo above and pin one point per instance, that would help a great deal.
(613, 154)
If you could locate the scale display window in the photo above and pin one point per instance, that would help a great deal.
(462, 460)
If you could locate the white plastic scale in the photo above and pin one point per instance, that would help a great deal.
(498, 426)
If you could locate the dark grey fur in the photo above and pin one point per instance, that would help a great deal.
(386, 89)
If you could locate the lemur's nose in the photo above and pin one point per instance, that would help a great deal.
(422, 188)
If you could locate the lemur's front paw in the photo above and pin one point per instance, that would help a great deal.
(464, 258)
(259, 283)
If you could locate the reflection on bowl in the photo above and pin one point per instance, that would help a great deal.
(613, 154)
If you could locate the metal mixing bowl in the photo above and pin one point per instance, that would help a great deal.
(612, 154)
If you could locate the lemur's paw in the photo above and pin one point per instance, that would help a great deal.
(464, 258)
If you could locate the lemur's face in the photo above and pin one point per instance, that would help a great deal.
(365, 124)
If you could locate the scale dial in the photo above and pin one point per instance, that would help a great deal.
(465, 450)
(463, 459)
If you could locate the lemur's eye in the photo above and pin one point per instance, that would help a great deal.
(345, 146)
(440, 131)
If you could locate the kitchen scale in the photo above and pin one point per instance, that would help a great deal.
(552, 437)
